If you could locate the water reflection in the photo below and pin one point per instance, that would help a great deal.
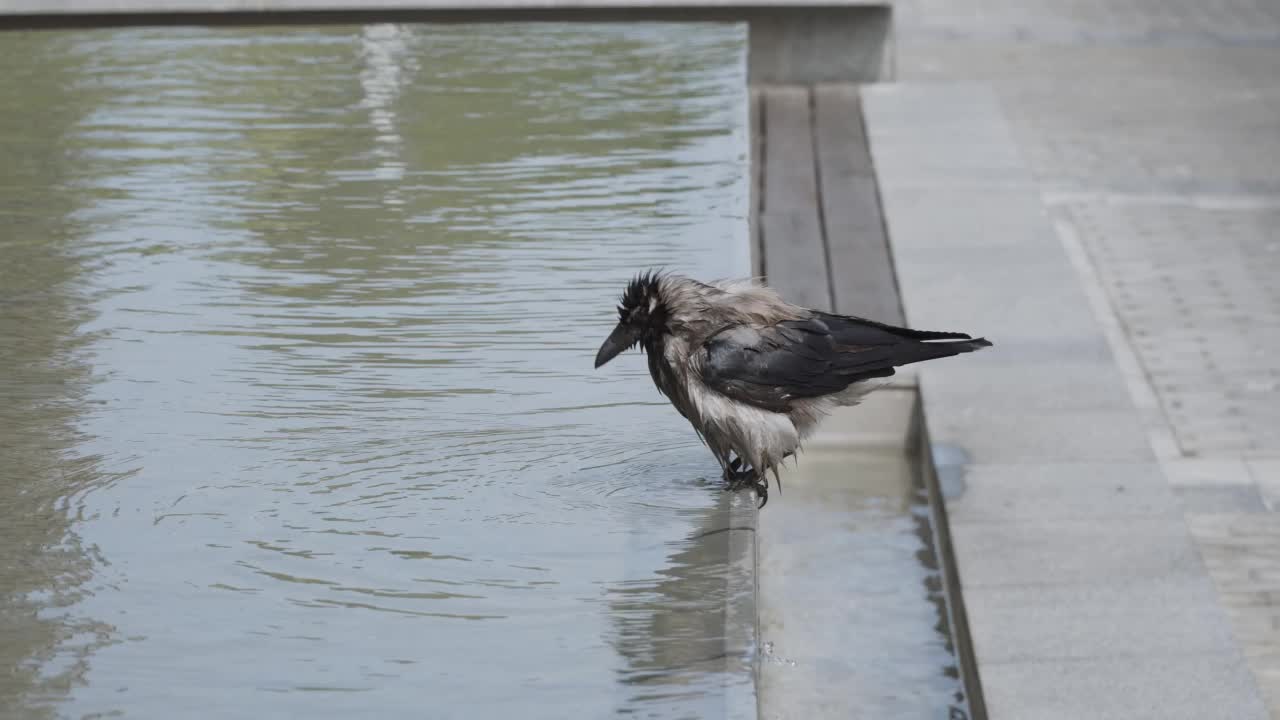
(45, 473)
(680, 631)
(299, 415)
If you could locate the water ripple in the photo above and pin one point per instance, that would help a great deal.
(297, 336)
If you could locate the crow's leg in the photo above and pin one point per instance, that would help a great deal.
(737, 476)
(732, 467)
(740, 476)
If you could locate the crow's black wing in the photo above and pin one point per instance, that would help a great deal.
(768, 367)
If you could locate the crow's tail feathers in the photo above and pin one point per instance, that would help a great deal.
(919, 352)
(966, 345)
(844, 325)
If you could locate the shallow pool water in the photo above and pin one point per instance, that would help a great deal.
(298, 410)
(297, 413)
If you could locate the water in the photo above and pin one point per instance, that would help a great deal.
(850, 595)
(298, 415)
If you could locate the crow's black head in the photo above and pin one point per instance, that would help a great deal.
(642, 317)
(642, 306)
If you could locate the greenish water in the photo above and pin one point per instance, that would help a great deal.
(298, 412)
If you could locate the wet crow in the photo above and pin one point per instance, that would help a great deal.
(754, 374)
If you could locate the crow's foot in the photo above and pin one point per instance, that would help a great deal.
(762, 490)
(739, 479)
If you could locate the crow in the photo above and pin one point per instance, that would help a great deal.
(754, 374)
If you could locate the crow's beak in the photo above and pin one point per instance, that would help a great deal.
(622, 337)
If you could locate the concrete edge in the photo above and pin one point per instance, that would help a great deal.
(934, 476)
(741, 619)
(185, 7)
(808, 620)
(808, 42)
(813, 13)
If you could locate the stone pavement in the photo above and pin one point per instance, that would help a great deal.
(1084, 593)
(1152, 128)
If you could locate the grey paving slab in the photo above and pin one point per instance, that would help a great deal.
(1017, 351)
(1078, 551)
(1036, 436)
(1040, 300)
(1195, 472)
(950, 239)
(1203, 319)
(977, 262)
(1242, 552)
(1212, 17)
(1070, 491)
(998, 217)
(1058, 578)
(964, 149)
(1265, 473)
(1133, 617)
(1151, 120)
(1039, 315)
(1173, 687)
(1171, 153)
(1160, 170)
(1050, 384)
(1221, 499)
